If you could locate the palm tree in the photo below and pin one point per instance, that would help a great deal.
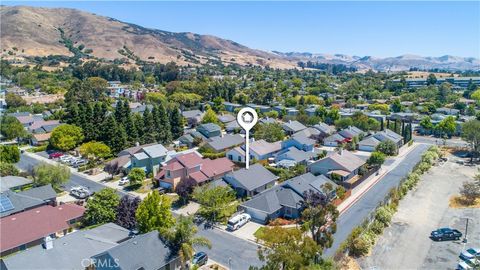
(182, 238)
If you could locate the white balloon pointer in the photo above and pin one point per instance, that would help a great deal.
(247, 118)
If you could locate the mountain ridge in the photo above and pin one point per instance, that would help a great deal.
(37, 31)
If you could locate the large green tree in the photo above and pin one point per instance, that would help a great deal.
(154, 213)
(102, 207)
(95, 150)
(66, 137)
(271, 132)
(286, 248)
(182, 238)
(387, 147)
(9, 153)
(11, 128)
(56, 175)
(471, 134)
(216, 203)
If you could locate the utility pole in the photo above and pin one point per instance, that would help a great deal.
(465, 240)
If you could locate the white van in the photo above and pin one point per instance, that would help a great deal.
(238, 221)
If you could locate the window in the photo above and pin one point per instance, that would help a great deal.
(239, 158)
(230, 157)
(168, 173)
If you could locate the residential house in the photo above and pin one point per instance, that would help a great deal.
(233, 127)
(226, 118)
(324, 130)
(249, 182)
(192, 166)
(192, 137)
(292, 127)
(209, 130)
(268, 120)
(193, 117)
(292, 156)
(31, 228)
(149, 158)
(142, 108)
(448, 111)
(259, 150)
(42, 126)
(286, 200)
(145, 251)
(40, 138)
(342, 163)
(231, 107)
(351, 132)
(335, 140)
(13, 183)
(16, 202)
(369, 143)
(300, 141)
(72, 251)
(260, 108)
(224, 143)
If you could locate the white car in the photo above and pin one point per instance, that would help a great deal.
(468, 264)
(470, 253)
(65, 158)
(238, 221)
(123, 181)
(80, 192)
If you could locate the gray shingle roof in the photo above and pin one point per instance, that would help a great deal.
(334, 137)
(9, 182)
(227, 141)
(293, 126)
(324, 128)
(369, 141)
(155, 151)
(255, 177)
(146, 251)
(296, 155)
(192, 114)
(31, 198)
(69, 251)
(350, 132)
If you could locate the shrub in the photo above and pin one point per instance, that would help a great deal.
(360, 246)
(377, 227)
(384, 215)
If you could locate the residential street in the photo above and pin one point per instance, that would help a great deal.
(224, 245)
(354, 216)
(27, 162)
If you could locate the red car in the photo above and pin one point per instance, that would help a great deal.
(55, 155)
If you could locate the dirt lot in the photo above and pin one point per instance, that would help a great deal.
(406, 245)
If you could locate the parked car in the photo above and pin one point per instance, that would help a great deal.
(200, 258)
(238, 221)
(123, 181)
(468, 264)
(65, 158)
(443, 234)
(471, 253)
(78, 163)
(80, 192)
(55, 155)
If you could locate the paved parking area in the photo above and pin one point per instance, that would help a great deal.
(406, 245)
(246, 231)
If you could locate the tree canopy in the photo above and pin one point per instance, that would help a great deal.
(154, 213)
(102, 207)
(66, 137)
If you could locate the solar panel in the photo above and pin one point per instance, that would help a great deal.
(5, 204)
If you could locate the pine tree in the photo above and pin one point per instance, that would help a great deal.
(89, 129)
(163, 128)
(113, 135)
(72, 116)
(120, 139)
(119, 112)
(131, 129)
(138, 123)
(149, 133)
(176, 122)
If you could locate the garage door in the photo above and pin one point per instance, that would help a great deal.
(256, 215)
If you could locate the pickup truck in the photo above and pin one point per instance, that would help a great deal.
(443, 234)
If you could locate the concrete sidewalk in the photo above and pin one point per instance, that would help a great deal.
(358, 191)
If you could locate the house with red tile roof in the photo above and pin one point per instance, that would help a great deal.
(192, 167)
(30, 228)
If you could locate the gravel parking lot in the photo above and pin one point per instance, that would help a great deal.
(406, 243)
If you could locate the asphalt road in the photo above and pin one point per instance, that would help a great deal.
(355, 215)
(225, 247)
(26, 163)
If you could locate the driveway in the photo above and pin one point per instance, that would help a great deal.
(245, 232)
(356, 214)
(405, 244)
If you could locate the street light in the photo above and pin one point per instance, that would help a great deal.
(465, 240)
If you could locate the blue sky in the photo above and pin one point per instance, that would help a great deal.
(356, 28)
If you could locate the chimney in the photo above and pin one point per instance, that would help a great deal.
(48, 242)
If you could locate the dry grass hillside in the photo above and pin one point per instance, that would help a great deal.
(34, 31)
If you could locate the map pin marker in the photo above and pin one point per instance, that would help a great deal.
(247, 118)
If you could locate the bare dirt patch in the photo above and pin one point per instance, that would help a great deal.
(458, 201)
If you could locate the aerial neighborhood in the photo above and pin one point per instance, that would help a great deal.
(134, 163)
